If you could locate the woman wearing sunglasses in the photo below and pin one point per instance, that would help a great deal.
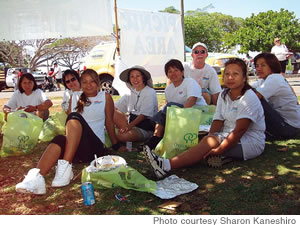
(141, 104)
(71, 81)
(91, 111)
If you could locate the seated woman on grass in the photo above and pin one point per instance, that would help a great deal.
(183, 92)
(91, 110)
(237, 129)
(29, 98)
(141, 104)
(71, 81)
(282, 111)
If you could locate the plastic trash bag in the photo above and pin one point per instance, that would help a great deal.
(113, 175)
(1, 120)
(53, 126)
(207, 114)
(20, 133)
(181, 131)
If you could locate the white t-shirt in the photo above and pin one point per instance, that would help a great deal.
(66, 99)
(280, 96)
(249, 107)
(207, 77)
(280, 52)
(188, 88)
(139, 102)
(58, 75)
(19, 99)
(94, 114)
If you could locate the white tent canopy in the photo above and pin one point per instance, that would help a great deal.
(40, 19)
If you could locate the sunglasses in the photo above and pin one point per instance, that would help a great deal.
(201, 52)
(72, 79)
(277, 41)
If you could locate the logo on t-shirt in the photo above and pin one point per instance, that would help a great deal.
(205, 78)
(234, 108)
(97, 102)
(180, 92)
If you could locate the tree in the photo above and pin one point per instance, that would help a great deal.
(170, 9)
(211, 28)
(258, 32)
(11, 53)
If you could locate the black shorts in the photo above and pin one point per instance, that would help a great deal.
(59, 81)
(89, 144)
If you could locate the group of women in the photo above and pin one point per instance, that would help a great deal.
(244, 114)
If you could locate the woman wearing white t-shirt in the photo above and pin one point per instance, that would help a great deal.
(28, 98)
(237, 129)
(141, 104)
(71, 81)
(282, 112)
(183, 92)
(91, 110)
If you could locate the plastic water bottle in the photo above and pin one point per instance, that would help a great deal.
(129, 146)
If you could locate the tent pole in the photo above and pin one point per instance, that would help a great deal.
(117, 29)
(182, 24)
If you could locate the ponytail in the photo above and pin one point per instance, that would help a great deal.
(83, 101)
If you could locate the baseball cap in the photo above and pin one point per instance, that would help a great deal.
(200, 44)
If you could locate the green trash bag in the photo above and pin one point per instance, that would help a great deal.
(181, 131)
(289, 66)
(20, 133)
(207, 114)
(1, 120)
(53, 126)
(121, 176)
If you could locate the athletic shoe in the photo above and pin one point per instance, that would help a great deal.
(34, 183)
(155, 161)
(218, 161)
(63, 174)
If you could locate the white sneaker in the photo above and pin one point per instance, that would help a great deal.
(34, 183)
(63, 174)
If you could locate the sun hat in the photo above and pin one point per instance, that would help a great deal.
(124, 76)
(200, 44)
(277, 39)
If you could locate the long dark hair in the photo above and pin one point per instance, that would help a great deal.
(28, 76)
(69, 72)
(243, 66)
(271, 60)
(83, 100)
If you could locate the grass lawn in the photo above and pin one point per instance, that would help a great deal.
(269, 184)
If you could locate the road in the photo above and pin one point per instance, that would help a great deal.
(294, 81)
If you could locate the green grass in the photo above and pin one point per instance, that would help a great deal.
(268, 184)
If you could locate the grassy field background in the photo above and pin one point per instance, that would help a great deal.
(269, 184)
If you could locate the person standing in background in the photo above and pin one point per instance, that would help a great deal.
(58, 75)
(281, 52)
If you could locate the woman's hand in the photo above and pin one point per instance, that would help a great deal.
(30, 108)
(125, 129)
(214, 151)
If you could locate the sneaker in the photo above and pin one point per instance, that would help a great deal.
(34, 183)
(218, 161)
(155, 161)
(63, 174)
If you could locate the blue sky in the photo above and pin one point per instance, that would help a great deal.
(236, 8)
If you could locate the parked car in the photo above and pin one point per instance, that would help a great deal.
(102, 59)
(39, 78)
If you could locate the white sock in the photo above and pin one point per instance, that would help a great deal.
(166, 165)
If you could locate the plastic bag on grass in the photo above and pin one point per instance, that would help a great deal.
(1, 120)
(53, 126)
(20, 133)
(115, 173)
(181, 131)
(207, 114)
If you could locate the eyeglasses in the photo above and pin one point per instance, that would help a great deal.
(72, 79)
(201, 52)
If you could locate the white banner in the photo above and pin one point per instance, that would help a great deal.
(150, 39)
(39, 19)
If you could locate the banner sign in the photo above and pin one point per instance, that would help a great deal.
(41, 19)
